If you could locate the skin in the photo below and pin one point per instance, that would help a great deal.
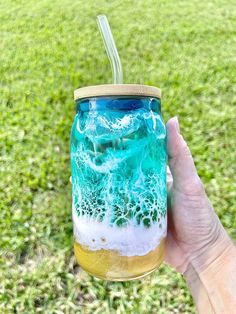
(197, 244)
(193, 224)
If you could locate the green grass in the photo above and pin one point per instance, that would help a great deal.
(49, 48)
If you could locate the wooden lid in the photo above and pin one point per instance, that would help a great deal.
(117, 90)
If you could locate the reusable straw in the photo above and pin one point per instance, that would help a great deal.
(111, 50)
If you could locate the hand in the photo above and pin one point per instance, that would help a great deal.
(195, 234)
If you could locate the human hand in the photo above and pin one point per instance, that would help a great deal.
(195, 234)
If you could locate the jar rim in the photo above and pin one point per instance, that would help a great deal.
(117, 90)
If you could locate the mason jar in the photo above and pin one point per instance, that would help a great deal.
(119, 193)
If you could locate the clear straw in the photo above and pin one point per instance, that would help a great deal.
(110, 49)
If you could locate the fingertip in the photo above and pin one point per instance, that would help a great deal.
(180, 159)
(173, 136)
(173, 124)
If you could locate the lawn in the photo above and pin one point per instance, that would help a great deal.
(48, 49)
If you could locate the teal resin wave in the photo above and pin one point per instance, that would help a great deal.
(118, 160)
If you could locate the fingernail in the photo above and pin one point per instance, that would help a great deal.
(176, 123)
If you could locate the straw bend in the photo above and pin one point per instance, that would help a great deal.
(110, 49)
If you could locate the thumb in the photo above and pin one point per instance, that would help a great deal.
(185, 177)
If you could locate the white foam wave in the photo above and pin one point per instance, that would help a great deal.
(128, 241)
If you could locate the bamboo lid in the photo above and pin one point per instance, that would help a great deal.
(117, 90)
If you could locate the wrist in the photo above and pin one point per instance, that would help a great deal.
(198, 291)
(213, 289)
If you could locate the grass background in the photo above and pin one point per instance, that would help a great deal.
(49, 48)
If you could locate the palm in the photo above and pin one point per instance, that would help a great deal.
(189, 224)
(193, 225)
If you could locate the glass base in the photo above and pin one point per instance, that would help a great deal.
(109, 265)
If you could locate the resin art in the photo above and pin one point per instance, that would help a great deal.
(118, 159)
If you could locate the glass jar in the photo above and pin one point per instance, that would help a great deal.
(119, 194)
